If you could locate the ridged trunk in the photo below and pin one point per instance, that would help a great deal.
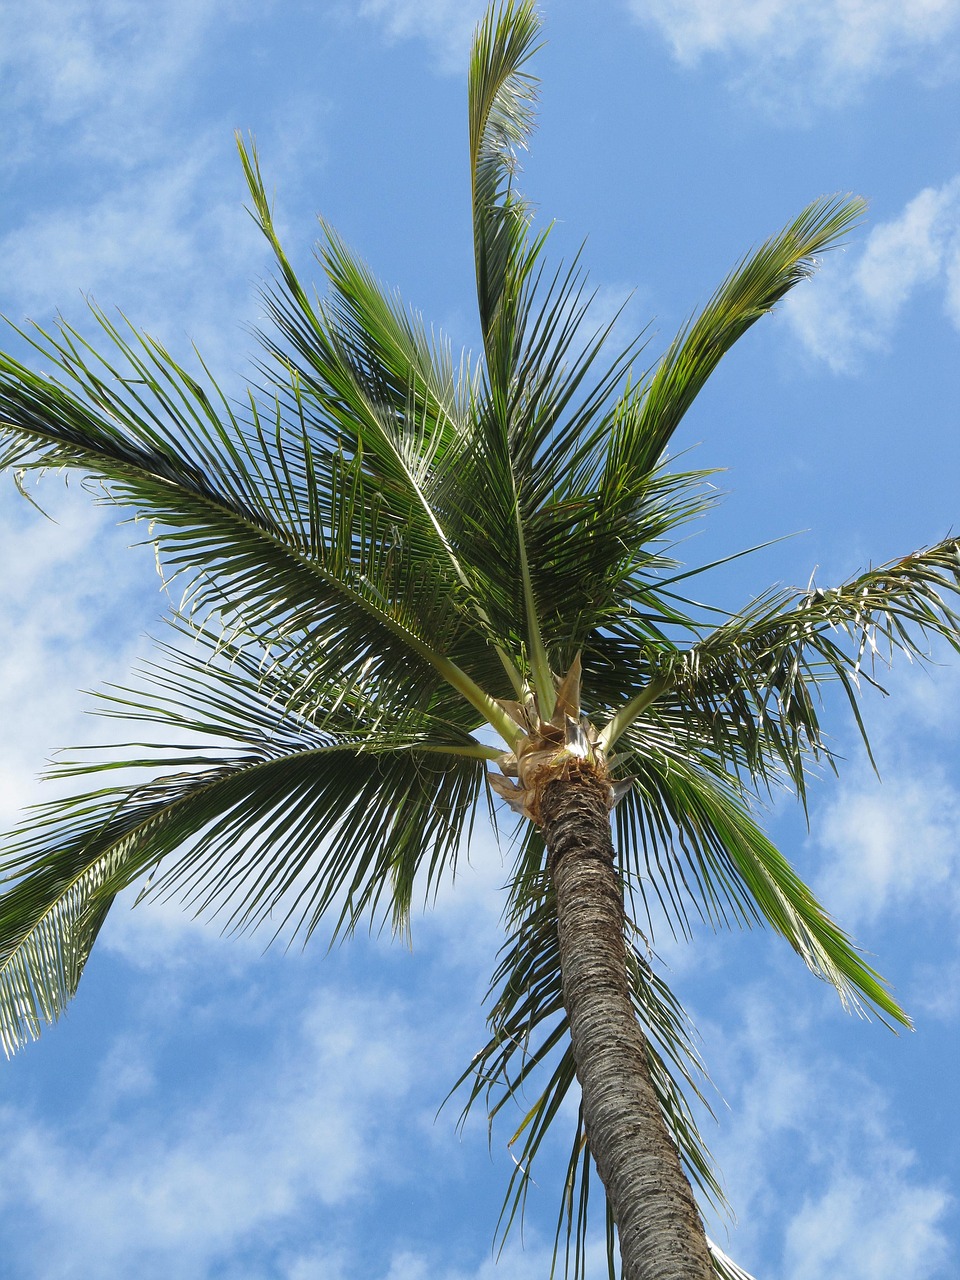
(661, 1235)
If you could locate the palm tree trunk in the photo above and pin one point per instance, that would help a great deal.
(661, 1235)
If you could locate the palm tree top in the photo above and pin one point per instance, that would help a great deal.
(384, 552)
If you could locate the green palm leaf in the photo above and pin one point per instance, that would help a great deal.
(752, 682)
(323, 806)
(687, 833)
(502, 97)
(648, 415)
(258, 528)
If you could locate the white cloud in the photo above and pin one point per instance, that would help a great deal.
(164, 936)
(73, 603)
(528, 1262)
(877, 1226)
(935, 990)
(927, 698)
(162, 246)
(446, 25)
(126, 1071)
(799, 1118)
(907, 252)
(953, 285)
(793, 52)
(851, 307)
(113, 1194)
(67, 63)
(890, 846)
(131, 191)
(317, 1263)
(134, 194)
(771, 1094)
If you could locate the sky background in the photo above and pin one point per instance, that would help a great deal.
(211, 1112)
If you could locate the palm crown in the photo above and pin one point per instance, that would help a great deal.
(407, 578)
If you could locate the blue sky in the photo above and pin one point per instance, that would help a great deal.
(207, 1111)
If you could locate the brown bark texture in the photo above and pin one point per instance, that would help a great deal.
(660, 1232)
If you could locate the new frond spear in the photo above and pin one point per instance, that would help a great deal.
(389, 559)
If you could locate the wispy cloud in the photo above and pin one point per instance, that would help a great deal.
(874, 1224)
(888, 846)
(801, 1117)
(893, 844)
(446, 25)
(162, 246)
(515, 1263)
(67, 64)
(73, 602)
(852, 306)
(794, 53)
(127, 186)
(935, 990)
(156, 1192)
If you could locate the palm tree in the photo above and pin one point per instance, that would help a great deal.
(410, 583)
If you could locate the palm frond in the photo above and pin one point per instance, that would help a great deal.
(686, 835)
(47, 929)
(502, 96)
(649, 413)
(251, 522)
(277, 840)
(376, 551)
(286, 818)
(378, 382)
(752, 683)
(725, 1267)
(364, 374)
(597, 577)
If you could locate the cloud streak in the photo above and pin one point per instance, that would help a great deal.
(869, 1226)
(176, 1192)
(801, 1118)
(892, 846)
(446, 25)
(161, 246)
(67, 64)
(888, 845)
(796, 53)
(73, 600)
(852, 307)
